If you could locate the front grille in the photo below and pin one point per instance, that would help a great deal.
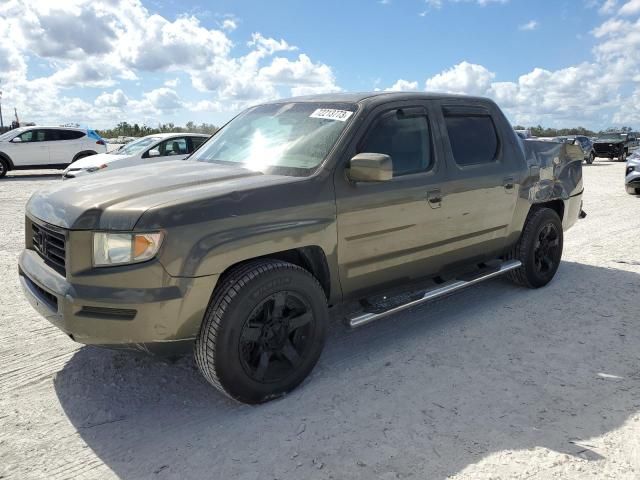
(605, 148)
(51, 246)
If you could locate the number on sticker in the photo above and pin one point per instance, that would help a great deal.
(331, 114)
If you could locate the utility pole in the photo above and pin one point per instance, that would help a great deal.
(15, 110)
(1, 122)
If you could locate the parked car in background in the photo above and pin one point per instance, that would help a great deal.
(29, 148)
(293, 206)
(616, 144)
(585, 144)
(632, 174)
(524, 134)
(149, 149)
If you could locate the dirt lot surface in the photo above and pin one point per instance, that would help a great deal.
(495, 382)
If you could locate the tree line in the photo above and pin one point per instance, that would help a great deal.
(125, 129)
(541, 131)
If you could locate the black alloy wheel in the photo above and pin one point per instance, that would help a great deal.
(274, 339)
(546, 250)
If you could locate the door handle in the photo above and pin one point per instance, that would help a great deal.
(434, 197)
(508, 184)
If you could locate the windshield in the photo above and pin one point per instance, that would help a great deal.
(283, 139)
(9, 134)
(613, 136)
(136, 147)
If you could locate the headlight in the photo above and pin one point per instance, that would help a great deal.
(124, 248)
(630, 169)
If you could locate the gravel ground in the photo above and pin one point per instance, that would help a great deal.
(494, 382)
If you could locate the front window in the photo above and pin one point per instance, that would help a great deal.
(137, 146)
(33, 136)
(173, 146)
(283, 139)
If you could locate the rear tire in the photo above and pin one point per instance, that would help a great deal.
(623, 157)
(539, 249)
(591, 158)
(263, 331)
(4, 167)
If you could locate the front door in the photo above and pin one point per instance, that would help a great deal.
(390, 231)
(32, 149)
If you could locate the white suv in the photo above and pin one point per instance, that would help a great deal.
(31, 148)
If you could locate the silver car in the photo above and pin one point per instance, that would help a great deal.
(632, 179)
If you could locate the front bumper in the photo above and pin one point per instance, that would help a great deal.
(160, 320)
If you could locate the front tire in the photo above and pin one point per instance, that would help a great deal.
(623, 157)
(263, 331)
(539, 249)
(4, 167)
(591, 158)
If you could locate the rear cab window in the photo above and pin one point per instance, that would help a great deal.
(472, 136)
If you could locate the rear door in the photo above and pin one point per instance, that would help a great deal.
(483, 180)
(64, 145)
(389, 231)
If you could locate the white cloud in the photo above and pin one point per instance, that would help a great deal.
(229, 25)
(608, 7)
(632, 7)
(116, 98)
(529, 26)
(465, 77)
(403, 86)
(437, 4)
(104, 43)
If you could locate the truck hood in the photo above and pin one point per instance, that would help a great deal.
(116, 200)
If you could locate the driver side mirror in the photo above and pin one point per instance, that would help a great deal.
(154, 153)
(16, 140)
(370, 167)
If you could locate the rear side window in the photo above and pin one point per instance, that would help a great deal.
(69, 134)
(405, 138)
(473, 139)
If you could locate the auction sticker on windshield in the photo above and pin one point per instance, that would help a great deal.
(331, 114)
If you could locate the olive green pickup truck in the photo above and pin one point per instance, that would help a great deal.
(382, 200)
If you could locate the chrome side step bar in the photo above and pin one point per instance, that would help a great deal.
(439, 291)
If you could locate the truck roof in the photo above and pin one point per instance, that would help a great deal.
(381, 97)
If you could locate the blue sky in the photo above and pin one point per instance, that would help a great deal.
(557, 63)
